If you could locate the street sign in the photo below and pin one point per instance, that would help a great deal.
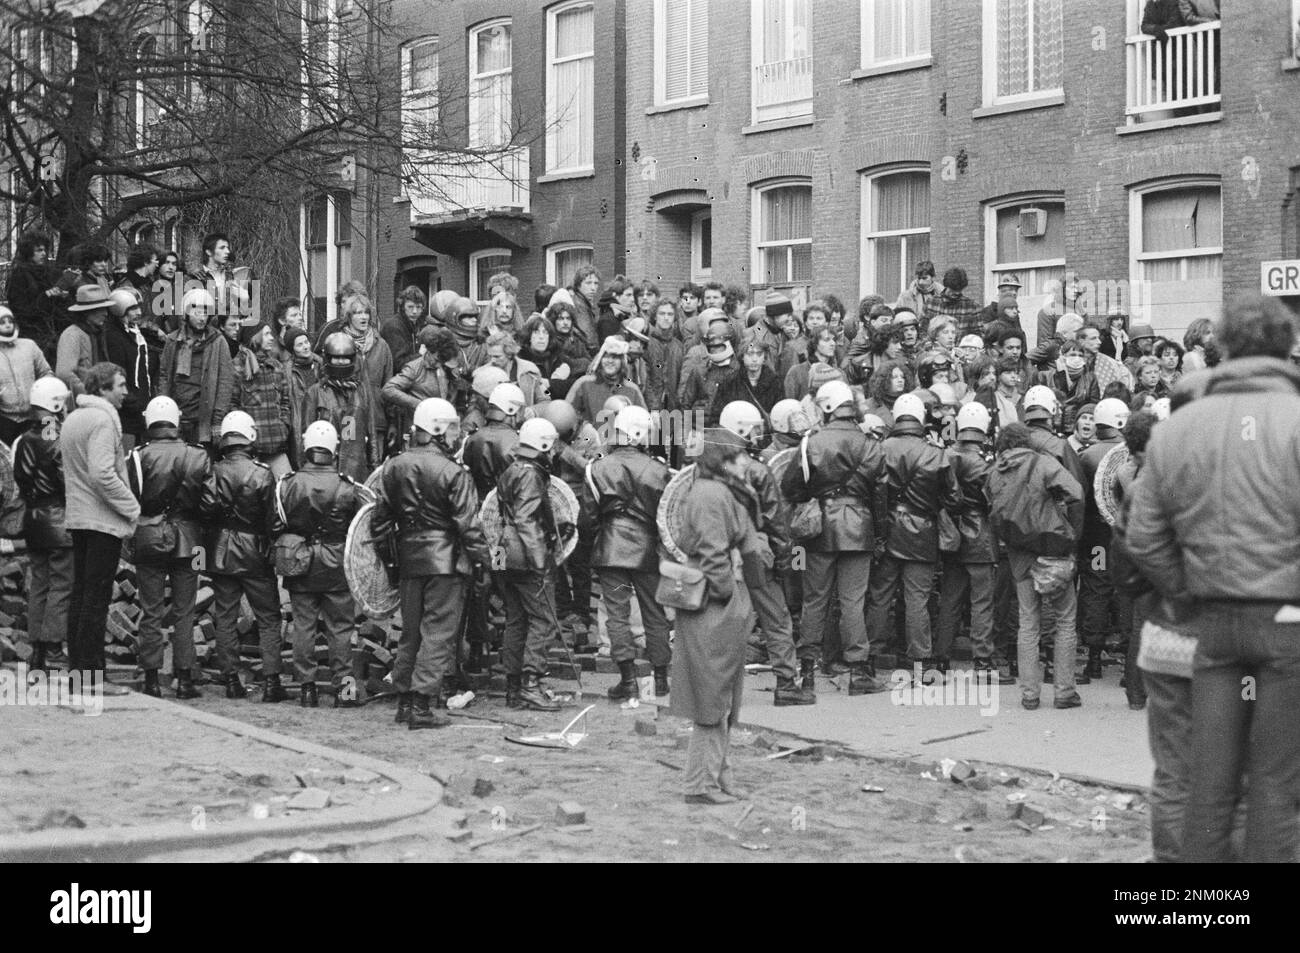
(1280, 278)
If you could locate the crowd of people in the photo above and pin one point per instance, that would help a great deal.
(869, 486)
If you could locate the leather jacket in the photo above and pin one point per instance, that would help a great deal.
(846, 470)
(237, 504)
(487, 453)
(624, 488)
(921, 483)
(524, 495)
(318, 503)
(167, 475)
(972, 466)
(38, 474)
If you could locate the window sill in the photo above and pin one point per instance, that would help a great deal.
(694, 103)
(884, 69)
(1196, 120)
(1001, 109)
(566, 176)
(1290, 64)
(771, 125)
(401, 199)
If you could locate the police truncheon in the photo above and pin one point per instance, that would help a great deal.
(365, 571)
(564, 506)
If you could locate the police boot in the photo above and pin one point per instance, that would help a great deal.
(532, 696)
(626, 687)
(273, 691)
(185, 686)
(404, 704)
(863, 680)
(474, 662)
(661, 681)
(307, 695)
(788, 692)
(151, 686)
(36, 663)
(513, 683)
(807, 676)
(1094, 664)
(234, 687)
(422, 716)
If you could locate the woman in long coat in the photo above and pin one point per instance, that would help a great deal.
(709, 656)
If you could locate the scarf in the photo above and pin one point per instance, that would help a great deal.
(364, 341)
(189, 343)
(251, 366)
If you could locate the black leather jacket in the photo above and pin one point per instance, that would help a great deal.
(428, 505)
(318, 503)
(624, 488)
(487, 454)
(972, 466)
(524, 495)
(920, 484)
(237, 504)
(38, 473)
(168, 481)
(846, 471)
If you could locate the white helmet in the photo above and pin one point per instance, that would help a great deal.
(237, 424)
(634, 422)
(834, 394)
(742, 418)
(321, 435)
(788, 417)
(1111, 412)
(1041, 396)
(486, 379)
(1161, 409)
(507, 398)
(434, 415)
(909, 405)
(873, 426)
(539, 434)
(945, 393)
(974, 416)
(49, 393)
(163, 410)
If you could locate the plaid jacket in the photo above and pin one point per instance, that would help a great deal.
(263, 395)
(960, 308)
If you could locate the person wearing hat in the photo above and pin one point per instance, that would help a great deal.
(1040, 408)
(969, 574)
(697, 354)
(316, 503)
(789, 424)
(196, 371)
(303, 367)
(1085, 429)
(606, 378)
(769, 334)
(524, 563)
(426, 514)
(237, 504)
(1074, 382)
(753, 382)
(1141, 343)
(23, 366)
(483, 381)
(262, 391)
(82, 342)
(919, 484)
(623, 490)
(1006, 310)
(463, 320)
(137, 349)
(38, 475)
(167, 477)
(487, 452)
(843, 469)
(351, 406)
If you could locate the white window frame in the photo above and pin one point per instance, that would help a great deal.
(867, 257)
(9, 246)
(553, 254)
(989, 56)
(1140, 292)
(869, 38)
(139, 105)
(553, 115)
(700, 274)
(331, 252)
(474, 260)
(475, 75)
(792, 108)
(417, 100)
(991, 209)
(756, 246)
(661, 56)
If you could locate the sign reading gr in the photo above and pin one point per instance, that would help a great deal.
(1280, 278)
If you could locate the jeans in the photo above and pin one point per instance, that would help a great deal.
(828, 573)
(962, 581)
(94, 564)
(918, 580)
(1245, 695)
(1169, 728)
(1062, 604)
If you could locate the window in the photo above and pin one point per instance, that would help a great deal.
(326, 251)
(681, 51)
(321, 52)
(490, 84)
(1026, 238)
(895, 31)
(9, 220)
(1176, 235)
(896, 229)
(782, 58)
(342, 238)
(142, 234)
(1023, 50)
(147, 109)
(419, 92)
(702, 245)
(563, 260)
(482, 266)
(782, 222)
(200, 41)
(1174, 75)
(570, 87)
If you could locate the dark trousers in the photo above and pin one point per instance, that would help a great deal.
(616, 589)
(431, 615)
(960, 582)
(828, 575)
(573, 583)
(49, 593)
(917, 579)
(338, 613)
(1169, 728)
(774, 624)
(264, 597)
(152, 580)
(530, 619)
(94, 564)
(1245, 695)
(1006, 611)
(1096, 596)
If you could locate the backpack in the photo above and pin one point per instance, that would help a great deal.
(1025, 515)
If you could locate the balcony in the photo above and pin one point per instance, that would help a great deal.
(473, 204)
(783, 89)
(1174, 78)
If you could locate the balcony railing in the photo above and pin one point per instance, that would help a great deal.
(1181, 72)
(783, 88)
(473, 185)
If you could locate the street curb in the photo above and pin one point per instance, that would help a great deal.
(419, 794)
